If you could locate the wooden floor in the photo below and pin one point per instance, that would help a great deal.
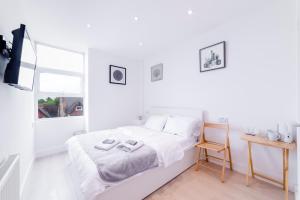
(50, 180)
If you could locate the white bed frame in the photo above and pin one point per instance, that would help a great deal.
(140, 186)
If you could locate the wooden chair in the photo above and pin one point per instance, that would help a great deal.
(214, 146)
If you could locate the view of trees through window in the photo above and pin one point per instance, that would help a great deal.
(60, 107)
(60, 82)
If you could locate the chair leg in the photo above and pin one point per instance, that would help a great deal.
(230, 159)
(198, 153)
(223, 168)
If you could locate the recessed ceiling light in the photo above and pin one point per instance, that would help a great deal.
(189, 12)
(136, 18)
(141, 44)
(88, 25)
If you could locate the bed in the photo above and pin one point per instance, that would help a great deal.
(175, 154)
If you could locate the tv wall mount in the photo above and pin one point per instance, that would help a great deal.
(5, 54)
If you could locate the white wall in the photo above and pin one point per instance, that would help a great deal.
(298, 100)
(112, 105)
(51, 134)
(257, 89)
(298, 60)
(16, 135)
(16, 121)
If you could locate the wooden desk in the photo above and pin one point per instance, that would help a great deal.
(285, 152)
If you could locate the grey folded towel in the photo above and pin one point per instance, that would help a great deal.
(107, 144)
(108, 141)
(130, 145)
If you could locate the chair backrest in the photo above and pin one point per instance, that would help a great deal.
(224, 127)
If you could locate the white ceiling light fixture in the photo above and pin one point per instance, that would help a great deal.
(136, 18)
(141, 44)
(189, 12)
(88, 25)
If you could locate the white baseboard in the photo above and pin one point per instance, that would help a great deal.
(51, 151)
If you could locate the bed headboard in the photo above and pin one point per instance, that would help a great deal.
(186, 111)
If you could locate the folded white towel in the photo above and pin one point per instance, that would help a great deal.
(107, 144)
(130, 145)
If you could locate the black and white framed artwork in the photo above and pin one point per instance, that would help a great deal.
(117, 75)
(157, 72)
(213, 57)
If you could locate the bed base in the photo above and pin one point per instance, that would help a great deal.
(142, 185)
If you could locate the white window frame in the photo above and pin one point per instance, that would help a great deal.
(38, 94)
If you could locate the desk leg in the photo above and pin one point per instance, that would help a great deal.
(286, 173)
(250, 164)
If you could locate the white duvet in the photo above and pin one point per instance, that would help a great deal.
(169, 148)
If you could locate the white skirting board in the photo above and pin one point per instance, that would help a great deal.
(50, 151)
(141, 185)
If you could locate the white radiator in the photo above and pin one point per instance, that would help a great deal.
(10, 179)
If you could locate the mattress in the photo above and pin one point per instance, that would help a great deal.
(170, 148)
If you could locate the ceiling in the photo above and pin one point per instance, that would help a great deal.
(113, 29)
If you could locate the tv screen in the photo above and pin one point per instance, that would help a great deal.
(21, 67)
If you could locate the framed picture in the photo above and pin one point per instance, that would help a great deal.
(117, 75)
(212, 57)
(157, 72)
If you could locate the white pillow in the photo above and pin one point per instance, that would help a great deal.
(183, 126)
(156, 122)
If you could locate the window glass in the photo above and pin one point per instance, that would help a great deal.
(49, 57)
(58, 83)
(60, 107)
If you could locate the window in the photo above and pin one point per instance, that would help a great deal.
(59, 89)
(50, 82)
(54, 58)
(60, 107)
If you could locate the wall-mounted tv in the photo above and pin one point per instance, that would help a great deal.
(4, 56)
(18, 73)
